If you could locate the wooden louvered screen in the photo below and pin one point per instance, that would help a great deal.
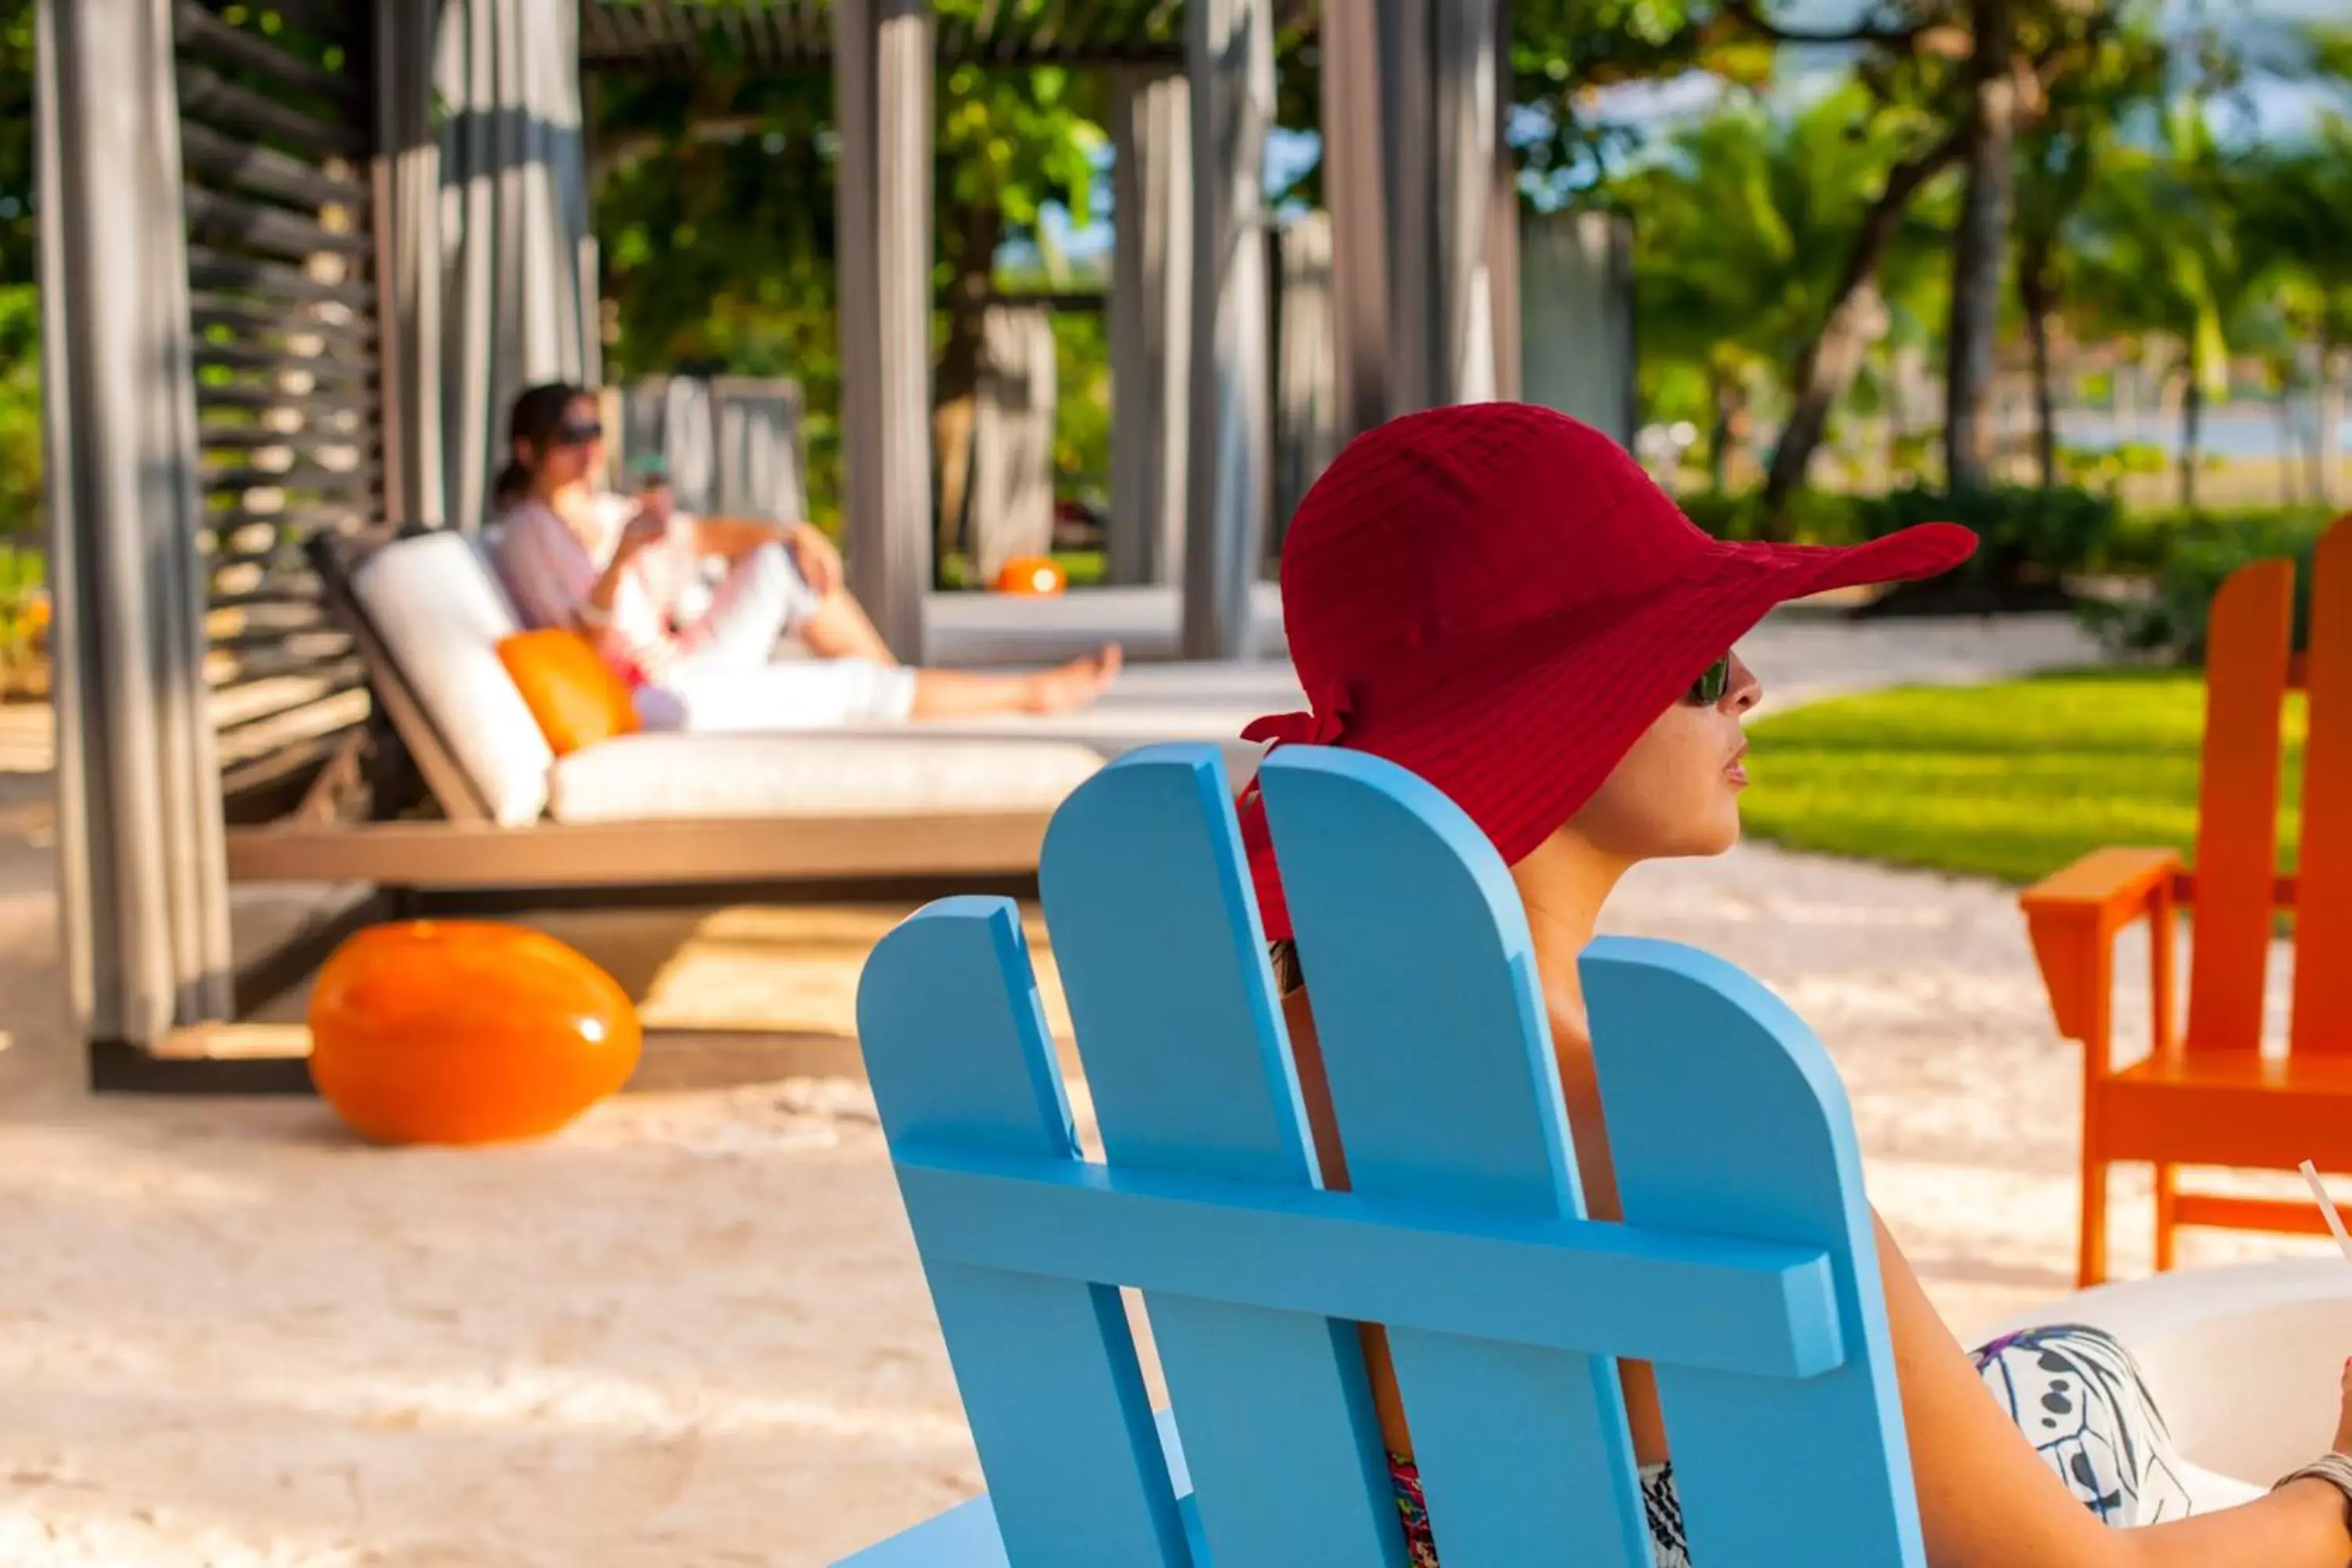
(692, 38)
(277, 132)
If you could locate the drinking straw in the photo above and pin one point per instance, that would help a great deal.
(2327, 1208)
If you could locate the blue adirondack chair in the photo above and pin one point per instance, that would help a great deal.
(1746, 1269)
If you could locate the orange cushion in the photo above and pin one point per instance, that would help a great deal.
(569, 689)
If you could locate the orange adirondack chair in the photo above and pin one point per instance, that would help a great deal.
(2209, 1095)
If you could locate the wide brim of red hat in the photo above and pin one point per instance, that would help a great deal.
(1521, 748)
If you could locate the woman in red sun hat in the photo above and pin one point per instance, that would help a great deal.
(1499, 599)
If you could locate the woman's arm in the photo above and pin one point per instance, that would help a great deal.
(642, 533)
(1988, 1500)
(733, 538)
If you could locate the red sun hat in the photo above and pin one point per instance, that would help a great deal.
(1499, 599)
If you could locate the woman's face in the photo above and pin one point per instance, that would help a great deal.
(1678, 791)
(573, 452)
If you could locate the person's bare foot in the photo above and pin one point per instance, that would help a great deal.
(1072, 685)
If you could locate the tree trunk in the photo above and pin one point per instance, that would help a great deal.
(2328, 412)
(2286, 441)
(1828, 365)
(2192, 404)
(1725, 396)
(972, 242)
(1980, 243)
(2034, 297)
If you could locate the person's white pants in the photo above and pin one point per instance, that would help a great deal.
(732, 681)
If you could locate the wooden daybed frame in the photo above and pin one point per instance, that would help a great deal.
(464, 848)
(393, 811)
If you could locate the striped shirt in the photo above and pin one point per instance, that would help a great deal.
(549, 572)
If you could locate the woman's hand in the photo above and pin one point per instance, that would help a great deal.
(815, 554)
(648, 527)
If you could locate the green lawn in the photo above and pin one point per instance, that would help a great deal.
(2010, 781)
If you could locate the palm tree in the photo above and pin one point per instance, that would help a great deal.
(1742, 233)
(2065, 152)
(2295, 214)
(2160, 254)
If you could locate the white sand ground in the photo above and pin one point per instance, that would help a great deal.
(691, 1329)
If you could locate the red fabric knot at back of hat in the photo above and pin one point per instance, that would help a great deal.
(1322, 726)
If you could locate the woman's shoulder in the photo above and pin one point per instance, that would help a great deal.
(605, 513)
(527, 514)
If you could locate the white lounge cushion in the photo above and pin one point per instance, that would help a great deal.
(659, 775)
(441, 615)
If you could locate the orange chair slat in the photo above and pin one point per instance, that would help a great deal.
(2283, 893)
(2237, 830)
(2323, 922)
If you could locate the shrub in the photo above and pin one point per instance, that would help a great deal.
(2145, 542)
(2028, 536)
(2199, 557)
(1814, 517)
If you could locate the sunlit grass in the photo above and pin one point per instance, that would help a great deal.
(2012, 781)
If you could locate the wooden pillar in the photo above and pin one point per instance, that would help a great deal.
(1151, 316)
(1408, 159)
(405, 184)
(1354, 191)
(1013, 438)
(1440, 113)
(142, 870)
(1466, 117)
(1503, 220)
(1229, 51)
(882, 90)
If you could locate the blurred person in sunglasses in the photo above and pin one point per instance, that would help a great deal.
(623, 572)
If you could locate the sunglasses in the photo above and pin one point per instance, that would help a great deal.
(1708, 689)
(579, 432)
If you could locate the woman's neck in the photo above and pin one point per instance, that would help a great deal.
(1563, 885)
(559, 496)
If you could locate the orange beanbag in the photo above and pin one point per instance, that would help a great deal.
(569, 689)
(465, 1032)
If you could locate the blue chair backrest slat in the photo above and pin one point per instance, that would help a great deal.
(1147, 897)
(1726, 1117)
(957, 1052)
(1445, 1087)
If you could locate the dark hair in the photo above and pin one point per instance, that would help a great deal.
(1287, 974)
(538, 413)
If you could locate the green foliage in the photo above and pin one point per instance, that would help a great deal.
(2199, 555)
(17, 177)
(24, 616)
(1082, 408)
(1740, 231)
(2292, 206)
(715, 214)
(2026, 535)
(2157, 252)
(20, 410)
(2106, 468)
(1814, 517)
(2012, 781)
